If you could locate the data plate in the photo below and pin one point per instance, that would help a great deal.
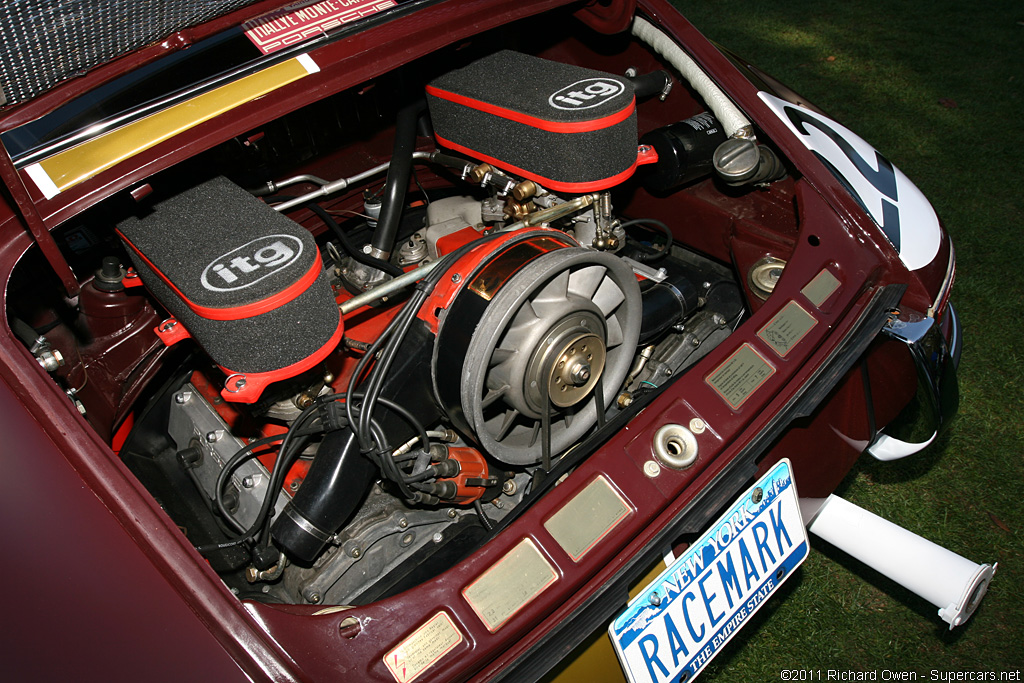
(682, 619)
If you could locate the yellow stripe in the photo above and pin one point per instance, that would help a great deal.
(81, 162)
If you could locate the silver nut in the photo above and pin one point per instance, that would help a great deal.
(214, 436)
(452, 513)
(697, 425)
(652, 469)
(183, 397)
(403, 523)
(437, 537)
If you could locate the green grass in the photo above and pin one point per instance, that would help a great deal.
(939, 89)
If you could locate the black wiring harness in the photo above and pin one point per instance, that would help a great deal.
(358, 415)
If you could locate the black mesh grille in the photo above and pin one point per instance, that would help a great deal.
(47, 41)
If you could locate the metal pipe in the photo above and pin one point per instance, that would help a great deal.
(382, 290)
(343, 183)
(554, 212)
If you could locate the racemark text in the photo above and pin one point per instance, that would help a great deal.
(682, 620)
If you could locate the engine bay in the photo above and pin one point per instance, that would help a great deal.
(344, 349)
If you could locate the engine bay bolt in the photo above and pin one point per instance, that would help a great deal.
(625, 399)
(697, 425)
(403, 523)
(509, 487)
(652, 469)
(248, 482)
(349, 627)
(452, 513)
(456, 278)
(706, 285)
(580, 374)
(437, 537)
(355, 552)
(183, 397)
(214, 436)
(314, 598)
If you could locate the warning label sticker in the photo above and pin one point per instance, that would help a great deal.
(787, 328)
(424, 646)
(740, 375)
(821, 287)
(510, 584)
(280, 29)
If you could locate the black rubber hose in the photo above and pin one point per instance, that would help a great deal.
(334, 487)
(26, 334)
(399, 173)
(651, 222)
(653, 83)
(351, 249)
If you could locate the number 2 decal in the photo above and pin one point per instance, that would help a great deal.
(894, 203)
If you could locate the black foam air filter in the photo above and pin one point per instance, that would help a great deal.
(569, 128)
(246, 282)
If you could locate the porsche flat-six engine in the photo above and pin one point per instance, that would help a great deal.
(351, 400)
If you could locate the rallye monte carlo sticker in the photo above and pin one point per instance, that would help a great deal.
(894, 203)
(681, 620)
(278, 30)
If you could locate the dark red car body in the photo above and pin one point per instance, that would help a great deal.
(104, 585)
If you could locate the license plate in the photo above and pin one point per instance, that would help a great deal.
(682, 619)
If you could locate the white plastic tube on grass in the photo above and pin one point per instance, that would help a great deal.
(949, 581)
(736, 124)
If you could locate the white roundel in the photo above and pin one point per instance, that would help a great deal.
(586, 94)
(897, 207)
(246, 265)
